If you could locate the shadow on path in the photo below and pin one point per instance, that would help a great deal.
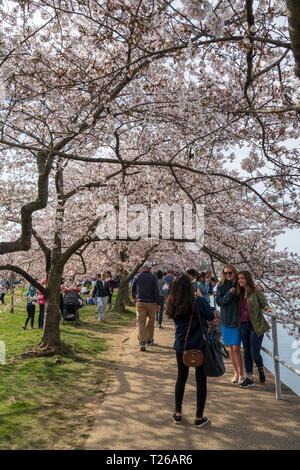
(137, 411)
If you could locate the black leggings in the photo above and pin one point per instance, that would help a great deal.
(183, 372)
(30, 314)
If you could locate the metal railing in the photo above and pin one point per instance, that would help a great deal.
(275, 353)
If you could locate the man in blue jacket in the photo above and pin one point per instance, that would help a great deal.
(145, 292)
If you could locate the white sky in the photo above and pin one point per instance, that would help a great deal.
(290, 240)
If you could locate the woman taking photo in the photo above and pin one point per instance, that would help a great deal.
(252, 326)
(227, 299)
(182, 304)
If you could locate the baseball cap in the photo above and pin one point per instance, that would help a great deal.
(147, 264)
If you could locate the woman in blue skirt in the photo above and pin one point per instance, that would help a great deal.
(227, 299)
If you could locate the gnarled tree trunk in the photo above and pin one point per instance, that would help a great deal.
(123, 294)
(293, 12)
(51, 341)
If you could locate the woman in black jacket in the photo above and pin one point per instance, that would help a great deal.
(182, 303)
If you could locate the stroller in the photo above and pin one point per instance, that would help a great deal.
(71, 307)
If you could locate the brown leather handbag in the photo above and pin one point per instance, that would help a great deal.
(192, 357)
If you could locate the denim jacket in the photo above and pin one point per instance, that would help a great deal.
(229, 304)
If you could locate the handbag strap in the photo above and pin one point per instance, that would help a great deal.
(203, 328)
(188, 331)
(222, 348)
(205, 334)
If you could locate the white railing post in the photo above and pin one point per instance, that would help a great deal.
(276, 357)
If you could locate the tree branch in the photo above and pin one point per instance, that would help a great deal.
(16, 269)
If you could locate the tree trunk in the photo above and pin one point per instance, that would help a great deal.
(128, 301)
(293, 12)
(123, 295)
(51, 341)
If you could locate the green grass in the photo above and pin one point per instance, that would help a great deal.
(43, 403)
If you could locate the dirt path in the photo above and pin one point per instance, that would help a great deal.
(137, 409)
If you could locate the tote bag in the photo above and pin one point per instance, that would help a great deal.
(214, 351)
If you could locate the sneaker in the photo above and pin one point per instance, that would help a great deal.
(142, 347)
(247, 383)
(161, 327)
(262, 375)
(24, 327)
(150, 343)
(199, 423)
(177, 419)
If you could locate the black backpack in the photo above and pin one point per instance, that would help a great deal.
(71, 299)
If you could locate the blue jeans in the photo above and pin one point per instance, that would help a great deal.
(101, 306)
(30, 314)
(252, 345)
(159, 315)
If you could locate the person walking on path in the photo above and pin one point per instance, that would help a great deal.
(111, 283)
(252, 326)
(41, 302)
(169, 277)
(145, 292)
(181, 305)
(159, 313)
(31, 299)
(101, 292)
(227, 299)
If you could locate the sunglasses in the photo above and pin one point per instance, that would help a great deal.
(228, 272)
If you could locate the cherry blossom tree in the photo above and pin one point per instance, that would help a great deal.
(101, 95)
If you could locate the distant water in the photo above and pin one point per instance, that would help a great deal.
(289, 351)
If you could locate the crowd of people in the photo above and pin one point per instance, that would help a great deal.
(230, 309)
(5, 285)
(192, 300)
(100, 290)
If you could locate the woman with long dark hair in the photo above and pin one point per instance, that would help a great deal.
(182, 304)
(252, 326)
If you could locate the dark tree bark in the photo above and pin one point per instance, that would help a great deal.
(293, 12)
(24, 242)
(51, 341)
(122, 298)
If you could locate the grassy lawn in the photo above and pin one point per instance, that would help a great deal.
(46, 403)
